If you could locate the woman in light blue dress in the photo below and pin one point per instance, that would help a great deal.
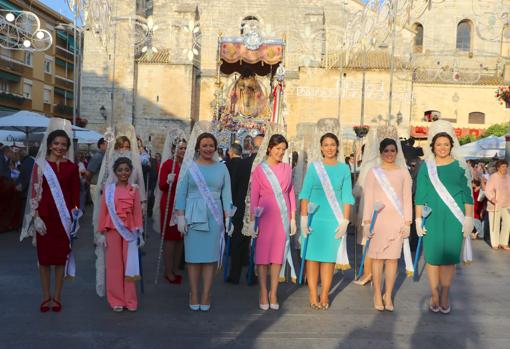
(202, 198)
(325, 232)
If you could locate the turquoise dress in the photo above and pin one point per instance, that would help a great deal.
(322, 244)
(202, 242)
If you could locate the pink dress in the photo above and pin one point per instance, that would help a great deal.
(271, 238)
(386, 242)
(119, 291)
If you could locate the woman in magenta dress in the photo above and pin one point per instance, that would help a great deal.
(274, 226)
(173, 240)
(53, 245)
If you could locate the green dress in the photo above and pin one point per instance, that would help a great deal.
(442, 243)
(322, 244)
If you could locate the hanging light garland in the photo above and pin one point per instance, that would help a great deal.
(21, 30)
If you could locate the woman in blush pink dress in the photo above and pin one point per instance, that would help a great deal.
(271, 189)
(390, 185)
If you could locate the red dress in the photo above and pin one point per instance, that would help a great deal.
(53, 247)
(171, 233)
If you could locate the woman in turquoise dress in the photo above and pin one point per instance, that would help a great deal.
(444, 230)
(202, 198)
(327, 229)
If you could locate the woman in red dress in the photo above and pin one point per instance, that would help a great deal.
(53, 245)
(173, 240)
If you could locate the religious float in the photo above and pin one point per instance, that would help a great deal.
(250, 84)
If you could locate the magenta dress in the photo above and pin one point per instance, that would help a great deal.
(271, 238)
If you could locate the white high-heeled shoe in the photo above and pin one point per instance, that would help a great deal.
(264, 306)
(205, 307)
(194, 307)
(274, 306)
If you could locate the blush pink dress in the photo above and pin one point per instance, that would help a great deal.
(386, 242)
(128, 207)
(270, 246)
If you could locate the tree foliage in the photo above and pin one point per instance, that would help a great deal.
(497, 130)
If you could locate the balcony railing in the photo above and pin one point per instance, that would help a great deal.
(12, 97)
(63, 109)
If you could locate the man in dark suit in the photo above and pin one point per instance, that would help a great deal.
(239, 171)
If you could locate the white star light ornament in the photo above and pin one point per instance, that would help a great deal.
(193, 28)
(21, 30)
(148, 32)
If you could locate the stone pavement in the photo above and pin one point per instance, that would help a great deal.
(480, 302)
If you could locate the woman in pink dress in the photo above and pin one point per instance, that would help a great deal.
(121, 236)
(270, 180)
(391, 185)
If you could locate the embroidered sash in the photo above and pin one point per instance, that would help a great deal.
(388, 189)
(284, 215)
(443, 192)
(63, 212)
(132, 271)
(211, 203)
(342, 259)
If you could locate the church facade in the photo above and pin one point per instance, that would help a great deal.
(173, 62)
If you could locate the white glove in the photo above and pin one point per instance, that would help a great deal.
(171, 178)
(467, 226)
(100, 239)
(141, 242)
(252, 231)
(421, 231)
(405, 231)
(182, 227)
(39, 225)
(229, 227)
(304, 226)
(366, 231)
(342, 229)
(293, 227)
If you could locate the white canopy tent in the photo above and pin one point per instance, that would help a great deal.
(32, 125)
(487, 147)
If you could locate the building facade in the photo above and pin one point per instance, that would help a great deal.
(39, 81)
(449, 58)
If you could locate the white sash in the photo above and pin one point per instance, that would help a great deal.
(63, 212)
(388, 189)
(443, 192)
(284, 215)
(342, 259)
(211, 203)
(132, 270)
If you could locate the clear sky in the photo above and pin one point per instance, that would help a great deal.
(60, 6)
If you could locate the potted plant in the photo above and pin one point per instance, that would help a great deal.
(503, 95)
(360, 130)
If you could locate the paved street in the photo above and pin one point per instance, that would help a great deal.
(480, 302)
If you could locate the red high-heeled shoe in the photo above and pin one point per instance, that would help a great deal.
(57, 307)
(44, 306)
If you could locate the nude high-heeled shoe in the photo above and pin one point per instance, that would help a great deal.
(364, 281)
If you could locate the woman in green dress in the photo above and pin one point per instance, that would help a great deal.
(330, 220)
(442, 184)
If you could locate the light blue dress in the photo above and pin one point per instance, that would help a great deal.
(322, 244)
(202, 242)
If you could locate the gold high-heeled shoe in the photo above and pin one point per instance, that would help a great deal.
(363, 281)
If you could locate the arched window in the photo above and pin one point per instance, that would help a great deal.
(464, 29)
(476, 117)
(418, 38)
